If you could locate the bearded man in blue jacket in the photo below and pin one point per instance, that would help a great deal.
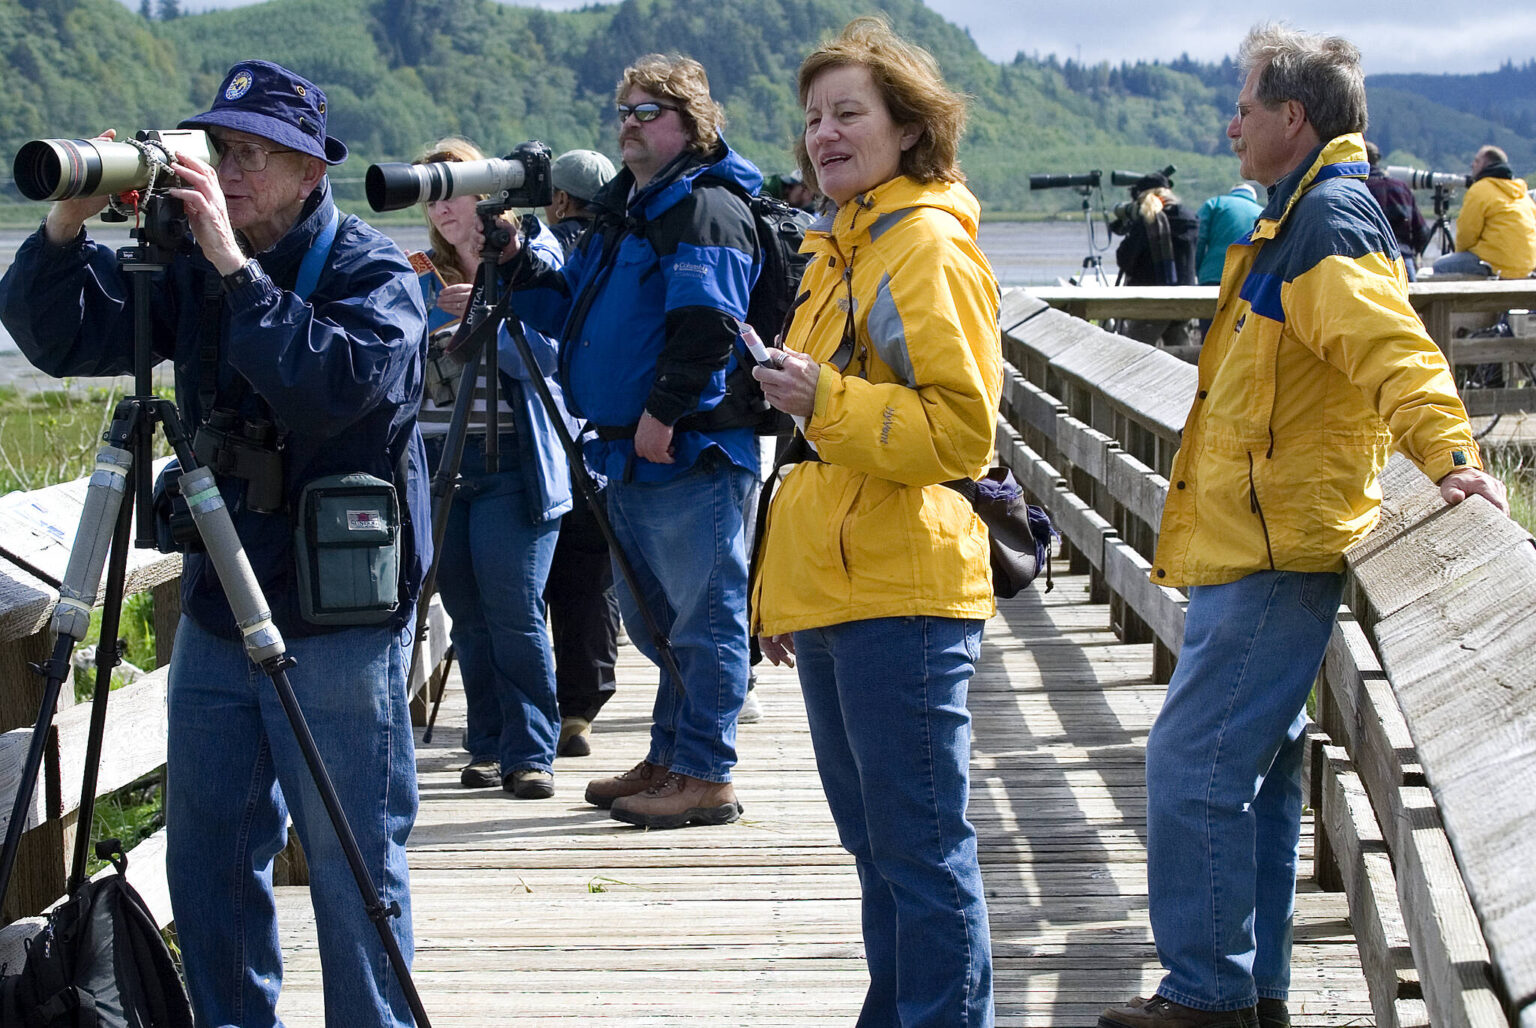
(287, 312)
(648, 308)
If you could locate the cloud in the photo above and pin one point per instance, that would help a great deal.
(1406, 35)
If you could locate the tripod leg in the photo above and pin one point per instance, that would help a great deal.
(264, 645)
(103, 515)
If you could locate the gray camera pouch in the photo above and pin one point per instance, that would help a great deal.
(347, 543)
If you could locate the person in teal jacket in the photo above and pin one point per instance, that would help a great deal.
(1224, 220)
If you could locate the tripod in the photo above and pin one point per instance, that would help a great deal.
(1093, 264)
(102, 539)
(481, 321)
(1439, 229)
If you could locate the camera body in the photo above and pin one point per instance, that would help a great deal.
(64, 169)
(1418, 178)
(520, 179)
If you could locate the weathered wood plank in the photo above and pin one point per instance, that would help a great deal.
(1460, 660)
(1153, 302)
(1366, 867)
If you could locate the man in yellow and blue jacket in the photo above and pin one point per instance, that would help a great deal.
(1314, 366)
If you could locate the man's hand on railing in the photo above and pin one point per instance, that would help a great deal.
(1463, 482)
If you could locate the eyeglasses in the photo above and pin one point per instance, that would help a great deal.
(648, 111)
(248, 156)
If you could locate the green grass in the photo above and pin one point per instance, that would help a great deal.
(49, 436)
(1516, 467)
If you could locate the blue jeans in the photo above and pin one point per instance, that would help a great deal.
(1462, 262)
(1224, 786)
(886, 703)
(495, 561)
(683, 537)
(234, 774)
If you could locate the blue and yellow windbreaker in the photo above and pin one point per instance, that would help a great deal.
(1314, 365)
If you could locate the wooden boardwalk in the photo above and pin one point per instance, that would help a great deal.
(549, 913)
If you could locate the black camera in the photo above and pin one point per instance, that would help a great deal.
(1087, 180)
(520, 179)
(228, 444)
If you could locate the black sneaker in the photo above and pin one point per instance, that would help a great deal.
(1273, 1013)
(480, 774)
(1160, 1012)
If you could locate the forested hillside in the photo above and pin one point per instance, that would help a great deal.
(400, 73)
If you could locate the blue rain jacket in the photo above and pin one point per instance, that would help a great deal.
(647, 309)
(341, 373)
(540, 456)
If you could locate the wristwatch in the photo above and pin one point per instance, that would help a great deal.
(244, 275)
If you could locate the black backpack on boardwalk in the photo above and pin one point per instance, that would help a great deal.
(780, 230)
(99, 962)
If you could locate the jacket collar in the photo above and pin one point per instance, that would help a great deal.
(1341, 157)
(856, 220)
(1496, 170)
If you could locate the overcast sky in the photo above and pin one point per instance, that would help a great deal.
(1394, 35)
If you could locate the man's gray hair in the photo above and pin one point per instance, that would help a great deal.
(1322, 73)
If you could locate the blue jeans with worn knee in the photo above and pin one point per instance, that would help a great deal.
(234, 774)
(494, 563)
(886, 702)
(1224, 793)
(684, 540)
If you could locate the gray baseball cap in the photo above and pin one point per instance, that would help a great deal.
(581, 173)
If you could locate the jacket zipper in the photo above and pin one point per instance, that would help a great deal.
(1253, 503)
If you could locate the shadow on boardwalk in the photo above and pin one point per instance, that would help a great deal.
(547, 912)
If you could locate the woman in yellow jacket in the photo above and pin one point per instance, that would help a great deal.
(874, 576)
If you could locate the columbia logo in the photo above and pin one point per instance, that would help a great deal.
(690, 269)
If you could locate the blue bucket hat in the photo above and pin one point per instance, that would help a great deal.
(268, 100)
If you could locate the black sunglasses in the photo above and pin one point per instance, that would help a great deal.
(648, 111)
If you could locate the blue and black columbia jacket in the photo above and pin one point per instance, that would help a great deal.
(647, 309)
(339, 372)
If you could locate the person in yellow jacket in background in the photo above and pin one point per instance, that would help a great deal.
(874, 576)
(1497, 223)
(1314, 365)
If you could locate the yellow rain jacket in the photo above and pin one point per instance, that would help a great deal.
(1314, 365)
(1498, 223)
(871, 532)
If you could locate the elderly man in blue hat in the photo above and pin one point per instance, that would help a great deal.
(290, 316)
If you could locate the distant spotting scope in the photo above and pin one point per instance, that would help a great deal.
(1130, 178)
(520, 179)
(1088, 180)
(1418, 178)
(63, 169)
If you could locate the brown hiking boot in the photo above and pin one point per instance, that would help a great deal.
(601, 792)
(679, 800)
(1159, 1012)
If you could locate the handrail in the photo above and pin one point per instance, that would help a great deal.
(1423, 775)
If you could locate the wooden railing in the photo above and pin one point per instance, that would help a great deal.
(1449, 309)
(36, 532)
(1423, 768)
